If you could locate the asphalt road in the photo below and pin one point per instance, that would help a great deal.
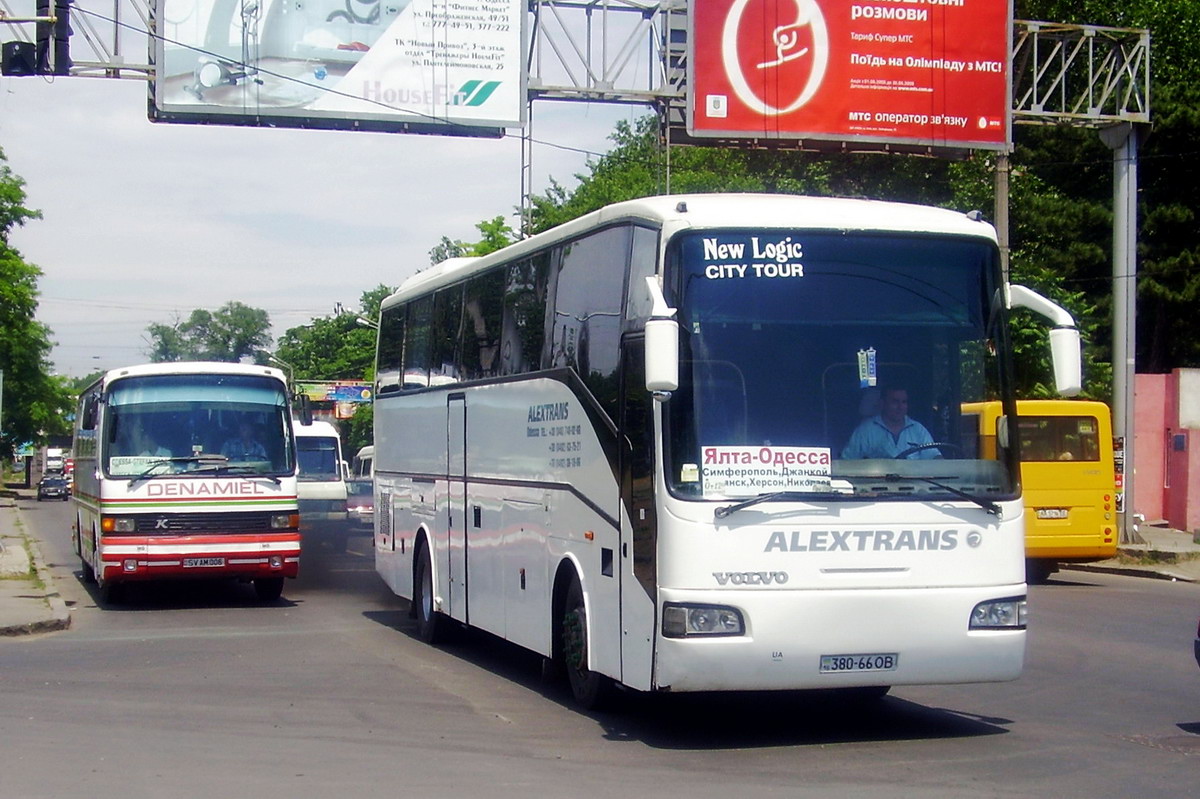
(196, 689)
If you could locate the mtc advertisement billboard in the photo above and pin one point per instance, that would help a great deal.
(923, 72)
(427, 66)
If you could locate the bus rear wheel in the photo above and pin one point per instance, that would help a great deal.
(590, 689)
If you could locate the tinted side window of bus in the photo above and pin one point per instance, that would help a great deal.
(417, 343)
(525, 315)
(588, 309)
(483, 305)
(391, 345)
(447, 320)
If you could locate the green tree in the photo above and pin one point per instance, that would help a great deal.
(336, 347)
(35, 403)
(231, 333)
(339, 347)
(497, 234)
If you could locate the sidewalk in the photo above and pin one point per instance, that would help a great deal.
(1166, 554)
(29, 602)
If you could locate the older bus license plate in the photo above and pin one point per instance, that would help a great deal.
(1052, 513)
(189, 563)
(880, 661)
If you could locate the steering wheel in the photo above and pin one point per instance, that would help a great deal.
(941, 445)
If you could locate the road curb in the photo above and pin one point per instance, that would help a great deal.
(1129, 571)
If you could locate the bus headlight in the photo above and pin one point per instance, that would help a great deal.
(999, 614)
(285, 521)
(685, 621)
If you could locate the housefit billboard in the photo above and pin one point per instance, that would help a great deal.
(429, 66)
(925, 72)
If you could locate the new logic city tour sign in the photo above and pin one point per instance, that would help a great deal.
(924, 72)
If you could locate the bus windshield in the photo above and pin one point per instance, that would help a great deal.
(197, 425)
(794, 340)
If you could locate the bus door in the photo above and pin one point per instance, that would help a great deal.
(639, 521)
(456, 505)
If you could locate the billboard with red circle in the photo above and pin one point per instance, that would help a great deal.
(933, 73)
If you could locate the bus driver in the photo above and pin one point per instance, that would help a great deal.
(890, 432)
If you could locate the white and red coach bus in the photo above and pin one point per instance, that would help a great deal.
(165, 488)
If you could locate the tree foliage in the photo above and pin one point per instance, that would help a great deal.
(339, 347)
(231, 333)
(497, 234)
(35, 404)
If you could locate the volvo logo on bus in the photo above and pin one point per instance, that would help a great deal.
(750, 578)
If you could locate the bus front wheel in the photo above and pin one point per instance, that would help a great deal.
(430, 623)
(268, 589)
(590, 689)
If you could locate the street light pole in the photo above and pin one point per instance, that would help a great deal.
(285, 365)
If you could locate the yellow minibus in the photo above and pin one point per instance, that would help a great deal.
(1068, 481)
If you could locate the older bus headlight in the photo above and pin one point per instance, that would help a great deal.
(999, 614)
(118, 524)
(685, 621)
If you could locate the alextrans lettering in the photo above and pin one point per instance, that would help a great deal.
(863, 540)
(551, 412)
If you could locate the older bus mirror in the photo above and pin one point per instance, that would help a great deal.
(88, 422)
(1066, 354)
(662, 343)
(304, 411)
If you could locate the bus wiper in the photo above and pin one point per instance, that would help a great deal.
(986, 504)
(724, 511)
(803, 496)
(201, 458)
(218, 464)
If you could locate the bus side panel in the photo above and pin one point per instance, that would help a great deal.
(410, 447)
(525, 563)
(394, 534)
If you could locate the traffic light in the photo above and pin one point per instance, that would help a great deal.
(54, 37)
(18, 59)
(49, 53)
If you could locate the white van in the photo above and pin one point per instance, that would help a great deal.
(364, 464)
(321, 484)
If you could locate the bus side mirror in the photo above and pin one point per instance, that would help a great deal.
(662, 343)
(1064, 338)
(1065, 351)
(304, 410)
(88, 422)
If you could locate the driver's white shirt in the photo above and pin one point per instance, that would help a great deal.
(873, 439)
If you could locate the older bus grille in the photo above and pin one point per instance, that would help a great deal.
(240, 522)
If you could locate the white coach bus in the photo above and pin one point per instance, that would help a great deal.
(321, 484)
(186, 470)
(622, 444)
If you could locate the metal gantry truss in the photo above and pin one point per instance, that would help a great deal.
(1080, 74)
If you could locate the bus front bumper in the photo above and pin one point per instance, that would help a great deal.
(797, 639)
(130, 558)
